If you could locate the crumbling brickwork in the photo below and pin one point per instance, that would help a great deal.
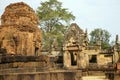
(19, 32)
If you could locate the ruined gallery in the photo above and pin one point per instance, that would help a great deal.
(21, 57)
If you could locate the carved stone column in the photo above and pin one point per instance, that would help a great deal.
(67, 59)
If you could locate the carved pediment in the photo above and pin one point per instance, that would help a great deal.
(74, 35)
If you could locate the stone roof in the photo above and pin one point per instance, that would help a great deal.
(75, 32)
(20, 14)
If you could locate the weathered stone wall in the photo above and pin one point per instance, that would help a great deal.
(102, 60)
(17, 42)
(14, 62)
(51, 75)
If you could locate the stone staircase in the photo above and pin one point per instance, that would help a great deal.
(94, 78)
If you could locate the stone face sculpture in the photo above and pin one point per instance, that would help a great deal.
(19, 33)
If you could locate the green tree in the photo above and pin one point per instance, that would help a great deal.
(100, 34)
(53, 19)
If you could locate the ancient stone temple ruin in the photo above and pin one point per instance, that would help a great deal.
(75, 41)
(77, 53)
(19, 32)
(21, 56)
(20, 42)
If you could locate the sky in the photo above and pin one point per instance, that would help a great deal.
(89, 14)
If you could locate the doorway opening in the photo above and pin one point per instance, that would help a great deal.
(93, 59)
(73, 58)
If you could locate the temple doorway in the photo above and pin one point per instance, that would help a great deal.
(73, 55)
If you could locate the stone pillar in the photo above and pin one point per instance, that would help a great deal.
(115, 57)
(67, 59)
(78, 60)
(87, 59)
(82, 60)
